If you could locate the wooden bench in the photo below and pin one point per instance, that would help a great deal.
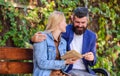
(16, 60)
(19, 61)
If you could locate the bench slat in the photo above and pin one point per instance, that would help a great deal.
(16, 67)
(8, 53)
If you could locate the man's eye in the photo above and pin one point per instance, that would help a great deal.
(83, 22)
(77, 22)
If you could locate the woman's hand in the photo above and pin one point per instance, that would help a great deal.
(71, 60)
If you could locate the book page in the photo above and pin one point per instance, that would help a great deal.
(71, 54)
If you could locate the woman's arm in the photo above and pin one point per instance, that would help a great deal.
(41, 57)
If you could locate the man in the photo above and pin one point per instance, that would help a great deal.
(82, 40)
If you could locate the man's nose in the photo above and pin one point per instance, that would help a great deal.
(80, 25)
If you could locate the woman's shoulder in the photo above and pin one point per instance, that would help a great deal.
(63, 40)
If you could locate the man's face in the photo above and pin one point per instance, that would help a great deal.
(80, 25)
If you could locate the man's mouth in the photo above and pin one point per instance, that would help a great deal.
(80, 28)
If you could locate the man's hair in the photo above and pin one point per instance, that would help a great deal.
(80, 12)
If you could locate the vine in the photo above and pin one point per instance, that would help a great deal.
(108, 35)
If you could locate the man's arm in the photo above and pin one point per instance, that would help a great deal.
(37, 37)
(91, 56)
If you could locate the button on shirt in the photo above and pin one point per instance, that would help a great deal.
(76, 45)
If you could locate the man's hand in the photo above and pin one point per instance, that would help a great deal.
(38, 37)
(89, 56)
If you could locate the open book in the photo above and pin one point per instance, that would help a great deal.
(71, 54)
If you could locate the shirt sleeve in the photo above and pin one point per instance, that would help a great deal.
(93, 50)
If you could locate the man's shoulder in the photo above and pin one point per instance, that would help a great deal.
(69, 26)
(68, 31)
(90, 33)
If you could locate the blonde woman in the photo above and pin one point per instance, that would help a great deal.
(47, 53)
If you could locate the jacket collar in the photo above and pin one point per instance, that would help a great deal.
(49, 34)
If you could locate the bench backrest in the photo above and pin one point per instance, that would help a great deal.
(16, 60)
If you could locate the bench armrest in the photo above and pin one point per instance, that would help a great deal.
(101, 71)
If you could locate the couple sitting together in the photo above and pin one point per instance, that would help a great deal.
(57, 39)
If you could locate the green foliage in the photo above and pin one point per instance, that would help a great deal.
(31, 21)
(1, 27)
(108, 35)
(18, 33)
(67, 6)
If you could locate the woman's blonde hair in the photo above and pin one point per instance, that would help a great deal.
(54, 19)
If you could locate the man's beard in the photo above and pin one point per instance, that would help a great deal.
(77, 31)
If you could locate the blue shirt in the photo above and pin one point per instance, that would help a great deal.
(44, 55)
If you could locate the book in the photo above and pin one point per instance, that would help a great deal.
(71, 54)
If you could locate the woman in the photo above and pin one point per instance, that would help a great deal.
(47, 53)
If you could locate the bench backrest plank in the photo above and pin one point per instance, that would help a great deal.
(16, 60)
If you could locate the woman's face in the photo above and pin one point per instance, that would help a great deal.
(63, 25)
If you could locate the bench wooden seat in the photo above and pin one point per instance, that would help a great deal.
(16, 60)
(19, 61)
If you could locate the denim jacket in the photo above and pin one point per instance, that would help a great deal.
(44, 55)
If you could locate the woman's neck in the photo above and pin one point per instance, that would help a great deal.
(56, 34)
